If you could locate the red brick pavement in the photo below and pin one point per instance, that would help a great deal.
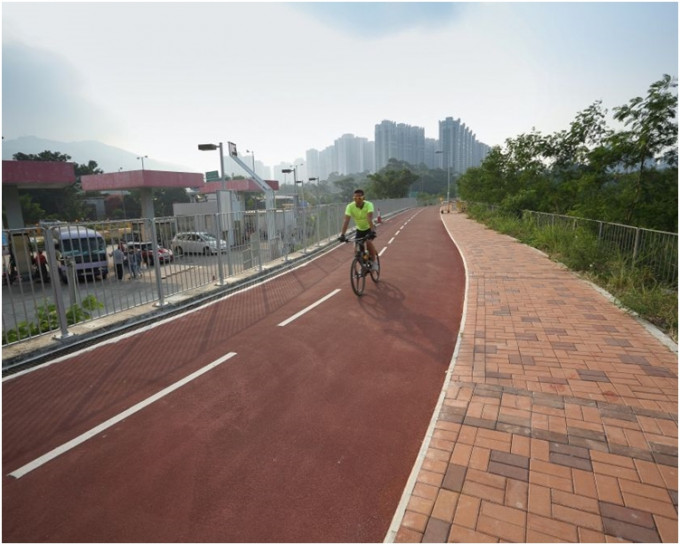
(559, 421)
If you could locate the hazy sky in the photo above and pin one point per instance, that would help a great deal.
(159, 78)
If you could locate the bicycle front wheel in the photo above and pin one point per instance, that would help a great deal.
(375, 275)
(357, 277)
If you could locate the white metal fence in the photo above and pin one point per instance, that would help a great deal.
(79, 282)
(655, 250)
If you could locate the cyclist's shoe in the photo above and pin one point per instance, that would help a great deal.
(375, 266)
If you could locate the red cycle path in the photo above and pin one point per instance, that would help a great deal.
(308, 434)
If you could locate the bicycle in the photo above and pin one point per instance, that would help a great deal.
(361, 266)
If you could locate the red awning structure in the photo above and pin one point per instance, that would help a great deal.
(31, 175)
(38, 174)
(246, 185)
(144, 180)
(140, 179)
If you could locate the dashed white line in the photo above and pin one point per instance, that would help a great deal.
(113, 421)
(310, 307)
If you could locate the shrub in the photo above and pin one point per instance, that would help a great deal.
(48, 320)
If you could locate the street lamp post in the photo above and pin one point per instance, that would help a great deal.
(318, 211)
(122, 197)
(253, 155)
(213, 147)
(142, 159)
(293, 169)
(317, 187)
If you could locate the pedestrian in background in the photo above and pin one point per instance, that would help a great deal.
(136, 262)
(118, 261)
(41, 263)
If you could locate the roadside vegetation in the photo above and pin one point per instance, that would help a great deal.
(627, 176)
(48, 320)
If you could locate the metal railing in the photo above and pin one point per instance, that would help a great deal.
(655, 250)
(52, 297)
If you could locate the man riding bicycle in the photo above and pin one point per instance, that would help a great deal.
(362, 212)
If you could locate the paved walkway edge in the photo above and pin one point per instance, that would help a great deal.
(410, 484)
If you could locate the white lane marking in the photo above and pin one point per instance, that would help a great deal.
(310, 307)
(113, 421)
(381, 252)
(391, 240)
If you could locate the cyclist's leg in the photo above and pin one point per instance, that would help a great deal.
(371, 249)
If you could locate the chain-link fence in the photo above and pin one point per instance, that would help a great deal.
(59, 274)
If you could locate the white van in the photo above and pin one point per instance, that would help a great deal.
(85, 247)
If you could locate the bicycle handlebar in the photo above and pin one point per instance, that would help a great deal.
(362, 239)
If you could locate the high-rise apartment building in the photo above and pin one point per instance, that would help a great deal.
(459, 146)
(398, 141)
(350, 150)
(351, 154)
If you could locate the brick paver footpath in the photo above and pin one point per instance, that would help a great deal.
(559, 420)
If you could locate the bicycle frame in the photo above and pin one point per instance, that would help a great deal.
(361, 266)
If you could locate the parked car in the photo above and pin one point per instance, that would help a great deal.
(163, 254)
(195, 242)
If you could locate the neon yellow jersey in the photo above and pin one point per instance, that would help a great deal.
(360, 215)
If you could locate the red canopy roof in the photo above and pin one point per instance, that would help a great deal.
(38, 174)
(135, 179)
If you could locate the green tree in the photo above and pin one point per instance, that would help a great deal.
(485, 183)
(31, 211)
(346, 186)
(165, 197)
(589, 170)
(392, 182)
(651, 138)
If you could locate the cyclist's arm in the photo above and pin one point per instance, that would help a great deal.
(371, 225)
(345, 225)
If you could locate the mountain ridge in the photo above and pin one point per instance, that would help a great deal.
(108, 158)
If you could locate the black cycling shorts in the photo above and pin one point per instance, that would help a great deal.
(362, 234)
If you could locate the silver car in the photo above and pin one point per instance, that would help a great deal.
(194, 242)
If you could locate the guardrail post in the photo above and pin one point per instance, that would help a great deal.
(637, 243)
(230, 266)
(56, 289)
(318, 225)
(256, 247)
(285, 238)
(220, 270)
(156, 262)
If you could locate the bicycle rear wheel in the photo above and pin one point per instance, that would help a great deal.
(375, 275)
(357, 277)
